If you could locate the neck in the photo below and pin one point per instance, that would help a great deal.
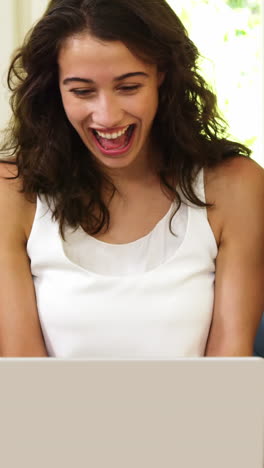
(141, 172)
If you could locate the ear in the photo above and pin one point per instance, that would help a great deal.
(161, 77)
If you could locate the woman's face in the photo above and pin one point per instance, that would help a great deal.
(110, 97)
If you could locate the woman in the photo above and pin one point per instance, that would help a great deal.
(132, 228)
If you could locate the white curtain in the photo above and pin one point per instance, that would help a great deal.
(16, 18)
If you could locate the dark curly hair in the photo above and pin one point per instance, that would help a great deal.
(50, 157)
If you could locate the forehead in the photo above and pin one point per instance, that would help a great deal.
(86, 55)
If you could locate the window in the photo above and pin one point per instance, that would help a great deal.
(228, 34)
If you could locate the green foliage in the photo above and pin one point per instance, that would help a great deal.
(237, 3)
(240, 32)
(253, 5)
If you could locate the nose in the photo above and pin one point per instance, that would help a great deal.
(107, 112)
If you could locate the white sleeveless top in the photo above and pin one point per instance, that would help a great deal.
(148, 299)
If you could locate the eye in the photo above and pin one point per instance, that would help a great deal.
(82, 92)
(130, 88)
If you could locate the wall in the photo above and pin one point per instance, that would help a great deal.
(16, 17)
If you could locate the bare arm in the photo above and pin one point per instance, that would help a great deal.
(20, 331)
(239, 285)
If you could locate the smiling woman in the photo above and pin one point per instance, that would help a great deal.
(133, 227)
(106, 102)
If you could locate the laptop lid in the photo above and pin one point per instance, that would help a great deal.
(185, 413)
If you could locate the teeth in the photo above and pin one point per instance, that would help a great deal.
(112, 136)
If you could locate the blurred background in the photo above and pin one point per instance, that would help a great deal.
(229, 35)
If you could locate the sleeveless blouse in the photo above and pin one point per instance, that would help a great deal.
(148, 299)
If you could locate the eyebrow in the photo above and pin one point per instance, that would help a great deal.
(118, 78)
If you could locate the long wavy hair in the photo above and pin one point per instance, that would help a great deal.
(50, 157)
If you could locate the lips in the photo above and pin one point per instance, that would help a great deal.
(114, 146)
(111, 133)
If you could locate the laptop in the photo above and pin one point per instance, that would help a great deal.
(185, 413)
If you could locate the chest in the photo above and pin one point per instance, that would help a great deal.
(151, 316)
(134, 218)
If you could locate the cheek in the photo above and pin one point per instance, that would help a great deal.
(146, 105)
(75, 111)
(149, 106)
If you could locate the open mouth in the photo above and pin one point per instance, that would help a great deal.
(113, 142)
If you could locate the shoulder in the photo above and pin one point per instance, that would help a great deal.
(235, 187)
(16, 210)
(238, 173)
(10, 184)
(234, 178)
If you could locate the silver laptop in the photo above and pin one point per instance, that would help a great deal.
(186, 413)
